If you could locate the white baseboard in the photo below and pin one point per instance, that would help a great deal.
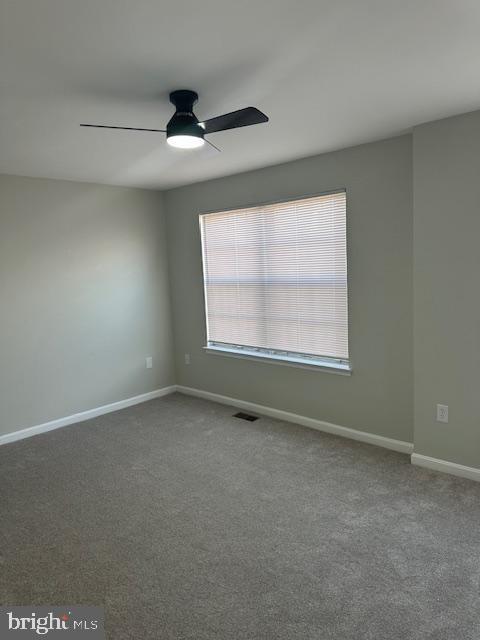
(435, 464)
(84, 415)
(401, 446)
(320, 425)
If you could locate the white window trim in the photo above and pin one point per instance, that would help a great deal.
(327, 365)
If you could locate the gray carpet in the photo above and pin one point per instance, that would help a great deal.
(187, 523)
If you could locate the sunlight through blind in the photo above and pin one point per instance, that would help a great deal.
(275, 278)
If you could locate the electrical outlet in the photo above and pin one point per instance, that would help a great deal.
(149, 362)
(442, 413)
(187, 358)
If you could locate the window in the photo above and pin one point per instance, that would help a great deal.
(275, 279)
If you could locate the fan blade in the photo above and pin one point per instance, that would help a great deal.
(212, 145)
(241, 118)
(106, 126)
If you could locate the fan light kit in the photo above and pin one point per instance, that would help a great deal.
(185, 142)
(185, 131)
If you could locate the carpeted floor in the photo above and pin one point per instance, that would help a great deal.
(187, 523)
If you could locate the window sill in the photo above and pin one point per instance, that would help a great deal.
(326, 366)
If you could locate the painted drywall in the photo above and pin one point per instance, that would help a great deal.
(84, 298)
(446, 287)
(378, 396)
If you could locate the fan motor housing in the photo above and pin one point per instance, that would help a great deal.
(184, 122)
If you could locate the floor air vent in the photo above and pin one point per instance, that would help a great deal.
(245, 416)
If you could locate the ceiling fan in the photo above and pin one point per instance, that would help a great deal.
(185, 131)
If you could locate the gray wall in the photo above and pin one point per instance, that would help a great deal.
(447, 300)
(84, 298)
(378, 396)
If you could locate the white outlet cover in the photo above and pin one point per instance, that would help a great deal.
(149, 362)
(442, 413)
(187, 358)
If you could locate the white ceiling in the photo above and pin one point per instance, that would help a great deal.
(330, 74)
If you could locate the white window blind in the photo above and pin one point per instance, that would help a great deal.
(275, 278)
